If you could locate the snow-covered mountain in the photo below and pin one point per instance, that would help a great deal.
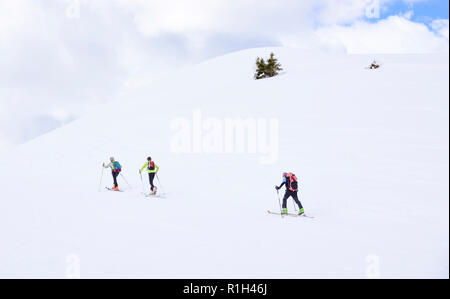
(370, 148)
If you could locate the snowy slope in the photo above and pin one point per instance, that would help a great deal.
(370, 149)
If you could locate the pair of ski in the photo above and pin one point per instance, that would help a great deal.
(111, 189)
(143, 193)
(289, 214)
(152, 195)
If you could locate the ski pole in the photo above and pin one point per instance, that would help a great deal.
(279, 202)
(101, 178)
(125, 180)
(143, 189)
(164, 192)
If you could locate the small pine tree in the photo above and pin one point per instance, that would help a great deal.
(260, 68)
(267, 69)
(273, 67)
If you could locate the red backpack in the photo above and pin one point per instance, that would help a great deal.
(151, 165)
(292, 182)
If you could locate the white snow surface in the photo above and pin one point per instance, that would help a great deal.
(370, 148)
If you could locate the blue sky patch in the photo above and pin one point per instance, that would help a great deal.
(424, 11)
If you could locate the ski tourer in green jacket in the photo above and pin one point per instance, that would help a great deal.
(152, 170)
(151, 167)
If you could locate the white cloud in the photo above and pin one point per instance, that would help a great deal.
(154, 18)
(407, 15)
(345, 11)
(328, 24)
(199, 21)
(441, 27)
(14, 16)
(395, 34)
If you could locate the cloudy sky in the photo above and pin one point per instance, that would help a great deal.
(58, 58)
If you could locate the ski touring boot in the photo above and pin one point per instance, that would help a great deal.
(284, 212)
(301, 212)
